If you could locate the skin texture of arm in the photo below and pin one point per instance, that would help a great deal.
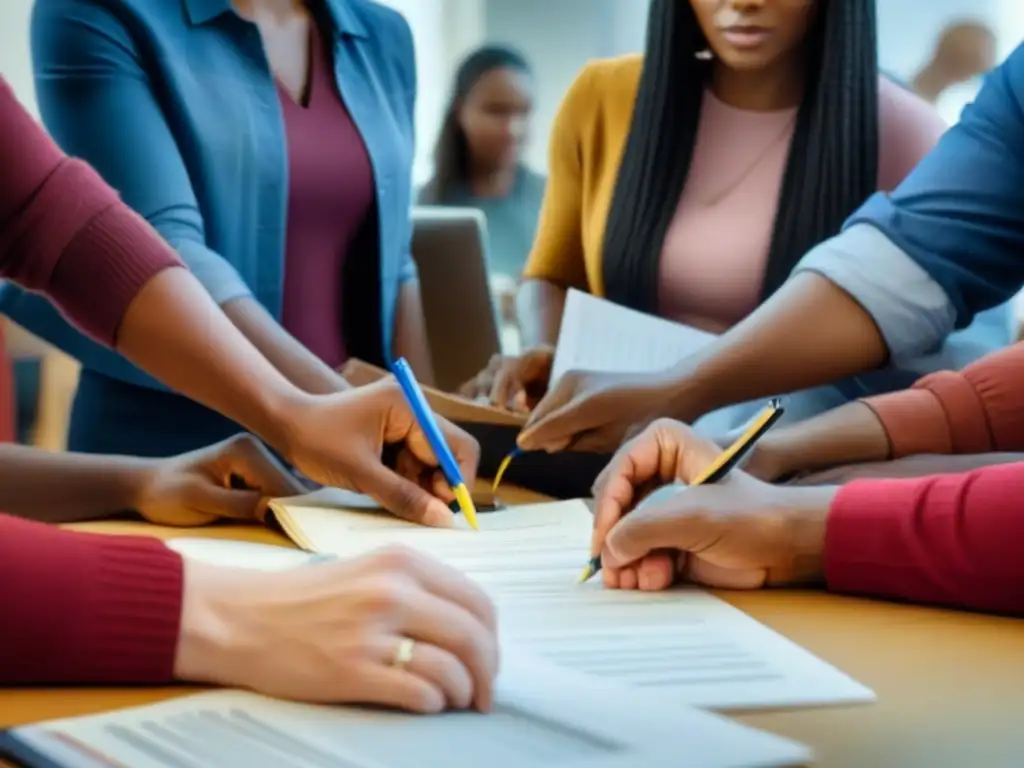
(300, 366)
(837, 338)
(67, 486)
(975, 411)
(849, 434)
(411, 333)
(539, 306)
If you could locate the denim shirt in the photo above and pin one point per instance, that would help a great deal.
(173, 102)
(936, 261)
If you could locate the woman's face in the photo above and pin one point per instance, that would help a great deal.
(495, 117)
(752, 34)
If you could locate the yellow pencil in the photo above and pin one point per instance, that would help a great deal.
(721, 466)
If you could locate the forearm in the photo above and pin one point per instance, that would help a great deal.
(810, 332)
(411, 333)
(850, 434)
(65, 487)
(296, 363)
(539, 304)
(175, 332)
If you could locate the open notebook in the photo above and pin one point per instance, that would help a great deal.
(685, 642)
(544, 716)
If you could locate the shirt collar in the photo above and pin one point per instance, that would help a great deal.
(346, 20)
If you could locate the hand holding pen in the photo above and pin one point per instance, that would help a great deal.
(344, 439)
(429, 430)
(666, 452)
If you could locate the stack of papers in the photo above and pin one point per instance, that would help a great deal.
(544, 716)
(685, 643)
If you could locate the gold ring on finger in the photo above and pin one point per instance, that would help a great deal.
(403, 653)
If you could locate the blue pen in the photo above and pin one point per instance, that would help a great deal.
(425, 417)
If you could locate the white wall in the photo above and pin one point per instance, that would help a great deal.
(15, 63)
(443, 30)
(909, 29)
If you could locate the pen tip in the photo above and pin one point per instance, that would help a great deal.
(588, 571)
(592, 568)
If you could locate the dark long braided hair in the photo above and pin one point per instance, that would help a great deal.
(451, 154)
(833, 158)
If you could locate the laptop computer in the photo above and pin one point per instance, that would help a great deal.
(449, 248)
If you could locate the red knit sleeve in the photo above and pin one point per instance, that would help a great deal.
(65, 233)
(978, 410)
(81, 608)
(954, 540)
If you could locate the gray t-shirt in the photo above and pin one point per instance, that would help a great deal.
(511, 221)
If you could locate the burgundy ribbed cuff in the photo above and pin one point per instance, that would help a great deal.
(86, 608)
(136, 600)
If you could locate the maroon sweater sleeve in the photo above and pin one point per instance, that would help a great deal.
(86, 608)
(73, 607)
(976, 410)
(65, 233)
(953, 540)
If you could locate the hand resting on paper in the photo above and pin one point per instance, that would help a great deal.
(334, 632)
(739, 534)
(338, 440)
(515, 382)
(231, 479)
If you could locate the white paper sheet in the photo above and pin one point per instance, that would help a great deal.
(701, 649)
(544, 716)
(241, 554)
(599, 335)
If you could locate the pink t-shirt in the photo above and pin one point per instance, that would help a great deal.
(716, 248)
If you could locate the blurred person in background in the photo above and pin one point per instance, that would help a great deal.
(478, 161)
(688, 182)
(789, 128)
(909, 268)
(965, 51)
(271, 145)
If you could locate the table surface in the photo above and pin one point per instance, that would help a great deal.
(950, 685)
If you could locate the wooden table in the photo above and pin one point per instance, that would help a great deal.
(950, 685)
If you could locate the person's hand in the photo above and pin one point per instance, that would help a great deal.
(514, 382)
(338, 440)
(231, 479)
(737, 534)
(333, 632)
(592, 411)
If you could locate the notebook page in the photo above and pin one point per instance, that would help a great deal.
(544, 716)
(241, 554)
(599, 335)
(701, 649)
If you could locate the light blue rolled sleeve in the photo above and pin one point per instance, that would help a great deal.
(910, 308)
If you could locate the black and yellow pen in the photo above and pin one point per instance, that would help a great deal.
(722, 465)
